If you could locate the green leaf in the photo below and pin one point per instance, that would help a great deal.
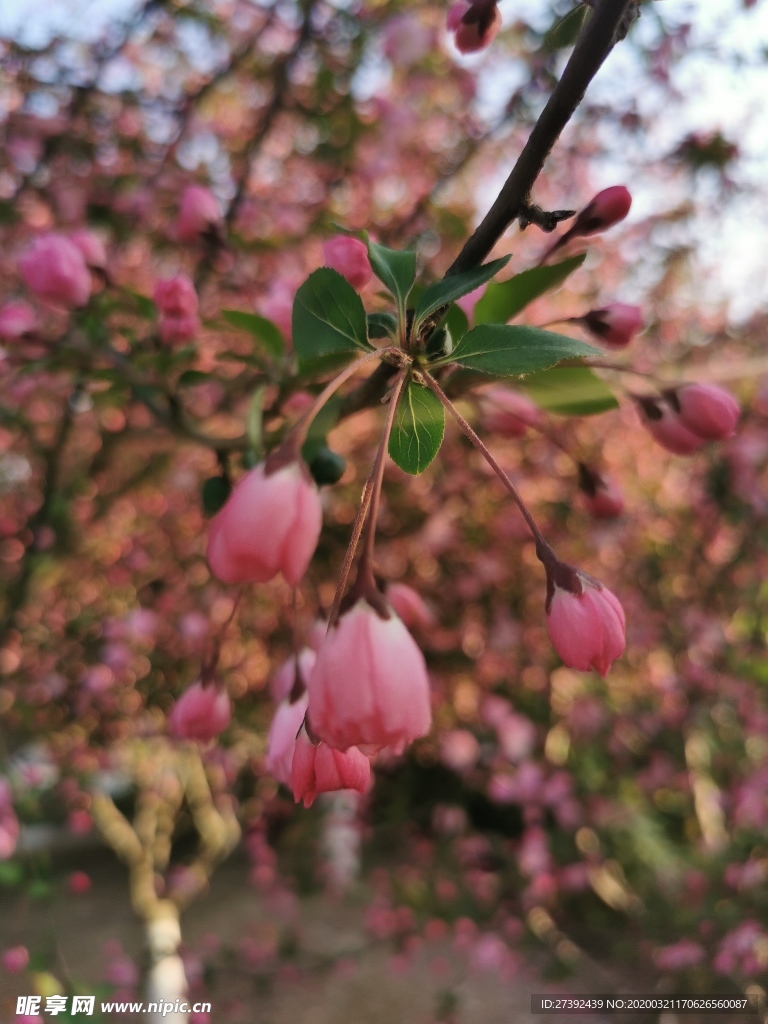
(566, 30)
(395, 269)
(451, 288)
(418, 429)
(254, 420)
(262, 330)
(505, 299)
(382, 325)
(570, 391)
(514, 351)
(328, 317)
(144, 306)
(191, 377)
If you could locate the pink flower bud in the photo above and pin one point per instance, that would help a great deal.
(284, 680)
(271, 523)
(92, 248)
(199, 211)
(348, 256)
(16, 320)
(200, 713)
(281, 742)
(606, 209)
(410, 606)
(587, 629)
(79, 883)
(708, 411)
(15, 959)
(507, 413)
(665, 426)
(602, 498)
(319, 769)
(615, 324)
(177, 303)
(473, 25)
(370, 685)
(53, 268)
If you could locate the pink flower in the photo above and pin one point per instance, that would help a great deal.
(16, 319)
(370, 685)
(270, 523)
(615, 324)
(587, 629)
(92, 248)
(177, 302)
(507, 413)
(406, 39)
(680, 956)
(200, 713)
(277, 306)
(665, 426)
(281, 742)
(15, 959)
(198, 213)
(284, 680)
(349, 257)
(53, 268)
(473, 25)
(79, 883)
(459, 749)
(707, 410)
(410, 606)
(79, 822)
(319, 769)
(603, 211)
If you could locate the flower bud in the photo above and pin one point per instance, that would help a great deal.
(15, 959)
(615, 324)
(349, 257)
(285, 681)
(16, 319)
(410, 606)
(200, 713)
(53, 268)
(707, 410)
(177, 304)
(587, 629)
(474, 25)
(281, 741)
(602, 498)
(270, 523)
(198, 213)
(369, 686)
(319, 769)
(606, 209)
(507, 413)
(92, 248)
(665, 426)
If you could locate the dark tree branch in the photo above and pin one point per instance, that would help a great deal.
(606, 25)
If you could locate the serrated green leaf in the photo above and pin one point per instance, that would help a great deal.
(514, 351)
(261, 329)
(328, 317)
(382, 325)
(451, 288)
(254, 420)
(570, 391)
(566, 30)
(504, 299)
(418, 428)
(395, 269)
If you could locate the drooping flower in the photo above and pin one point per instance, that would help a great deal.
(270, 523)
(587, 628)
(607, 208)
(177, 305)
(53, 268)
(349, 257)
(369, 686)
(16, 319)
(201, 712)
(615, 325)
(321, 769)
(707, 410)
(410, 606)
(474, 24)
(281, 741)
(663, 423)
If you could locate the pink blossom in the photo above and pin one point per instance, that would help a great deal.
(79, 883)
(587, 629)
(271, 523)
(410, 606)
(473, 25)
(200, 713)
(533, 856)
(370, 685)
(459, 749)
(603, 211)
(15, 959)
(79, 822)
(517, 736)
(17, 319)
(707, 410)
(53, 268)
(177, 303)
(349, 257)
(468, 302)
(406, 39)
(277, 306)
(281, 741)
(92, 248)
(321, 769)
(615, 324)
(198, 213)
(664, 425)
(284, 680)
(507, 413)
(680, 956)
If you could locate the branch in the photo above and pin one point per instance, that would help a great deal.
(594, 45)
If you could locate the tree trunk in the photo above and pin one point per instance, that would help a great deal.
(166, 981)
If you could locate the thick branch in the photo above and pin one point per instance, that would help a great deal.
(592, 48)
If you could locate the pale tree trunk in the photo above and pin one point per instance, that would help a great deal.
(166, 980)
(341, 839)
